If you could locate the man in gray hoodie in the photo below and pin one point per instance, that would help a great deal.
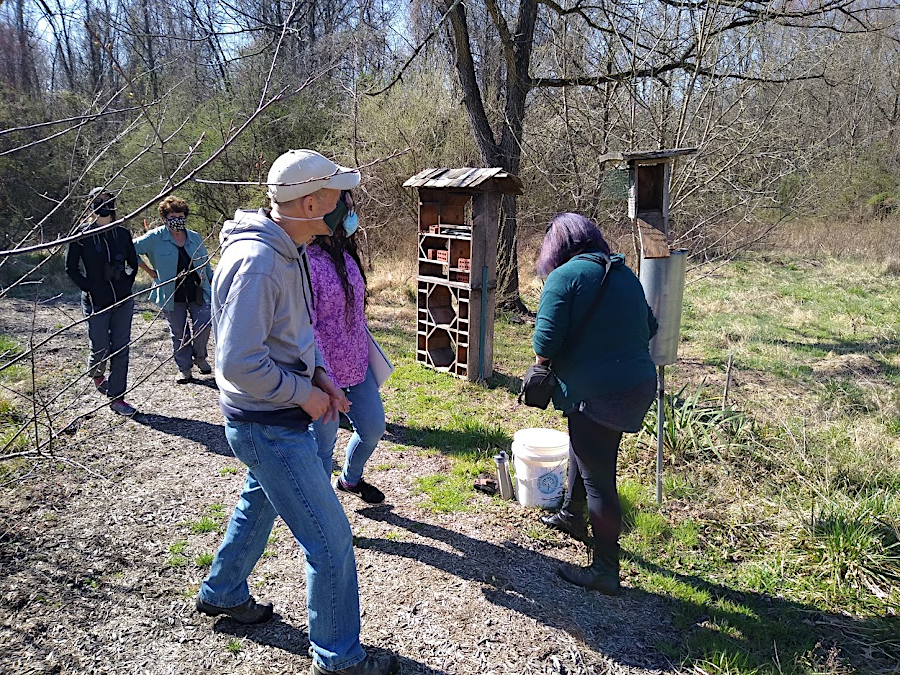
(272, 384)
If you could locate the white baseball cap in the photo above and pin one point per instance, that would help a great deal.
(298, 173)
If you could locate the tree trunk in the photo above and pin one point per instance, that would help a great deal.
(149, 53)
(508, 152)
(26, 83)
(508, 258)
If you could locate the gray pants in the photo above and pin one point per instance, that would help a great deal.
(185, 347)
(109, 332)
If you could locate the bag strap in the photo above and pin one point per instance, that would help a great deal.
(574, 335)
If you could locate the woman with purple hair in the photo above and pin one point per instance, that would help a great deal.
(595, 326)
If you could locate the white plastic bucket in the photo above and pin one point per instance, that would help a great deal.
(540, 457)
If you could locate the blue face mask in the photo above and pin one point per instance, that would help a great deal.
(351, 223)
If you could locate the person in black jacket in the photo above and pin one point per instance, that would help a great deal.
(103, 266)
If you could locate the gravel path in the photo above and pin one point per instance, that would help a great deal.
(94, 580)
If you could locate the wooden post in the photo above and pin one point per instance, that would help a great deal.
(486, 222)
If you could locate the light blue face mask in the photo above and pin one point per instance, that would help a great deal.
(351, 223)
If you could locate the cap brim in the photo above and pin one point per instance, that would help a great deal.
(345, 179)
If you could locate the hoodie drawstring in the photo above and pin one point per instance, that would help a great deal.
(304, 265)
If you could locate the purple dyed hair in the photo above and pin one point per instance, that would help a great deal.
(568, 234)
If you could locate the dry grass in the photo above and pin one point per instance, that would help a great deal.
(863, 239)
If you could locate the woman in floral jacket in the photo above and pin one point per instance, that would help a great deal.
(339, 320)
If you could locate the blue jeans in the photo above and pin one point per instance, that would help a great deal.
(285, 478)
(109, 332)
(367, 417)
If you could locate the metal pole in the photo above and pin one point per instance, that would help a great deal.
(660, 429)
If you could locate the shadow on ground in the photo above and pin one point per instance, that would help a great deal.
(211, 436)
(511, 383)
(525, 581)
(280, 635)
(753, 631)
(476, 439)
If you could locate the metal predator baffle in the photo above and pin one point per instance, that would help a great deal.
(662, 269)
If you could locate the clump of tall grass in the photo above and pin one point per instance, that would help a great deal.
(697, 427)
(854, 545)
(392, 282)
(845, 397)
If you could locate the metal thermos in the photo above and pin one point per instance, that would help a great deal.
(504, 481)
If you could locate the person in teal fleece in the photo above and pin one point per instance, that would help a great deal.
(181, 273)
(607, 380)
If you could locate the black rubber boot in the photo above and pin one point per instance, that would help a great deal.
(601, 575)
(568, 522)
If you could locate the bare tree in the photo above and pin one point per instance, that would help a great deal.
(659, 52)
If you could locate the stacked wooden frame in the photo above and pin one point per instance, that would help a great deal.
(459, 216)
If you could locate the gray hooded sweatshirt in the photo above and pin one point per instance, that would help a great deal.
(265, 346)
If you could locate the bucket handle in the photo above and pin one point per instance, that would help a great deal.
(553, 470)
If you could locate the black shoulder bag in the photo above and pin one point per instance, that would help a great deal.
(539, 382)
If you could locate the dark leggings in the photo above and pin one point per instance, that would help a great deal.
(593, 451)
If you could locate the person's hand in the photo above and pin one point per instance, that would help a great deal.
(336, 394)
(153, 274)
(317, 405)
(332, 414)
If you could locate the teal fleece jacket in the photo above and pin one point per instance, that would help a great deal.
(612, 353)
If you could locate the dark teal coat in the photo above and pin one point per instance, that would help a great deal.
(612, 352)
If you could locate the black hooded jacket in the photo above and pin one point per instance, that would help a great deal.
(108, 266)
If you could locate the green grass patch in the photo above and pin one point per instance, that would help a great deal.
(541, 533)
(234, 646)
(216, 511)
(204, 559)
(854, 548)
(227, 471)
(9, 347)
(387, 466)
(454, 491)
(11, 421)
(270, 551)
(204, 524)
(177, 557)
(16, 373)
(771, 545)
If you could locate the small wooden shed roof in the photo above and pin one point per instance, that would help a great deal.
(467, 178)
(649, 156)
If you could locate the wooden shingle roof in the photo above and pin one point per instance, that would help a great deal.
(467, 178)
(649, 156)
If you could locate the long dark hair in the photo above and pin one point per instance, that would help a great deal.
(568, 234)
(335, 246)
